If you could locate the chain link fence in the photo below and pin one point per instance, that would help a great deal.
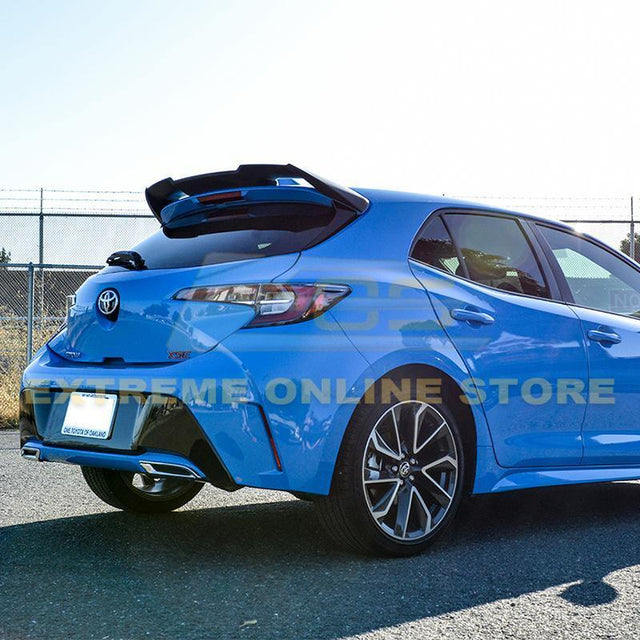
(58, 226)
(51, 240)
(32, 310)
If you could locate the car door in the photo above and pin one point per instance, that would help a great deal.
(523, 346)
(604, 291)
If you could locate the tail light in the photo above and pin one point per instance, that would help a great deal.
(273, 303)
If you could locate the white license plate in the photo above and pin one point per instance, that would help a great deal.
(90, 415)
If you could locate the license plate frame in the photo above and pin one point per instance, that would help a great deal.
(90, 415)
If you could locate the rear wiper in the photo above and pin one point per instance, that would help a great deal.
(127, 259)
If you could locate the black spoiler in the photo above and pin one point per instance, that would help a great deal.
(162, 193)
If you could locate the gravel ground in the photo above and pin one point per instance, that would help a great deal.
(252, 564)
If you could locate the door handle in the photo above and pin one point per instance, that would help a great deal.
(468, 315)
(598, 335)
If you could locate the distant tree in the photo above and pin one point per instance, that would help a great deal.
(625, 245)
(5, 256)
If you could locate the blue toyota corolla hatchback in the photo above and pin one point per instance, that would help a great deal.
(380, 353)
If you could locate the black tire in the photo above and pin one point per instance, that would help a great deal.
(117, 489)
(346, 513)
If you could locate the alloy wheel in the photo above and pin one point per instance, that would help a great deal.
(410, 470)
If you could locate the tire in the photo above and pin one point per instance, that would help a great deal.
(118, 489)
(419, 488)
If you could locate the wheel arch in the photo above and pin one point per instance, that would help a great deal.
(452, 395)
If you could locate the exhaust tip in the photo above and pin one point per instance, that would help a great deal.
(30, 453)
(168, 469)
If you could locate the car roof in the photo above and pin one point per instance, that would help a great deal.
(384, 196)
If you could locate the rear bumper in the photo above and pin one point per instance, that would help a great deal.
(264, 413)
(223, 435)
(157, 462)
(150, 433)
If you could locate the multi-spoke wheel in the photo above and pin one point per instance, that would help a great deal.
(140, 492)
(398, 480)
(410, 470)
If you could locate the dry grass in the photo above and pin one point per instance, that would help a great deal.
(13, 340)
(13, 345)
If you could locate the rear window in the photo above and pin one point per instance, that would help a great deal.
(243, 233)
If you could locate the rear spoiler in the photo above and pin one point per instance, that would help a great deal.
(162, 193)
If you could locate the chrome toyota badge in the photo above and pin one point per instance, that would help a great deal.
(108, 302)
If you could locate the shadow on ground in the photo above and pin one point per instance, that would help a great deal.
(202, 573)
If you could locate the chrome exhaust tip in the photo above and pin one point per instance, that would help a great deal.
(169, 470)
(30, 453)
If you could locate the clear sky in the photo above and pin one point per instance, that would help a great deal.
(457, 97)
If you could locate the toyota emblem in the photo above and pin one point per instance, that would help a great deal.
(108, 302)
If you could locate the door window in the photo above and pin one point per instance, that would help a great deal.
(596, 278)
(497, 253)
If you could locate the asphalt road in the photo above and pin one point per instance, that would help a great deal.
(544, 563)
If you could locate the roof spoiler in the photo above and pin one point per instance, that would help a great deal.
(162, 193)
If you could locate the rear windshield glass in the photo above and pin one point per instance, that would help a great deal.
(247, 232)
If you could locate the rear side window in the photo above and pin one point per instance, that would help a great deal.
(435, 247)
(596, 278)
(246, 232)
(497, 253)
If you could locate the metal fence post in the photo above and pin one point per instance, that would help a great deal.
(30, 273)
(41, 229)
(41, 255)
(632, 235)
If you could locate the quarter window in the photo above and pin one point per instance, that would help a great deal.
(435, 247)
(497, 253)
(596, 278)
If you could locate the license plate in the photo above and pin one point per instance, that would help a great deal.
(90, 415)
